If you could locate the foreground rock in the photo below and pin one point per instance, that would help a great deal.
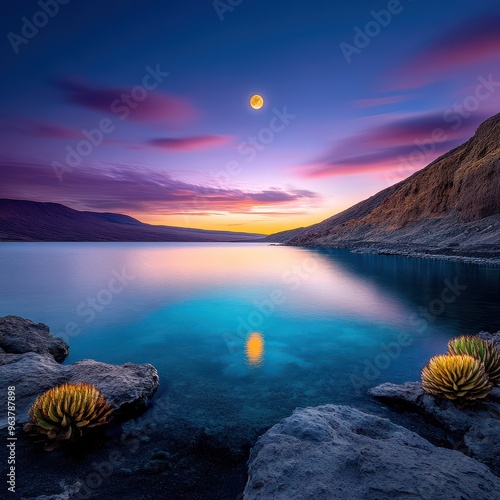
(126, 387)
(339, 452)
(19, 335)
(476, 429)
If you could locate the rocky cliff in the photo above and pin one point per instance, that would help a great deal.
(453, 203)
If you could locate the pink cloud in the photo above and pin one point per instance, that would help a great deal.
(406, 143)
(358, 166)
(151, 106)
(467, 45)
(190, 143)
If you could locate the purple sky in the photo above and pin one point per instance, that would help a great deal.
(143, 109)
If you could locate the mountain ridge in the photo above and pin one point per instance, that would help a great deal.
(25, 220)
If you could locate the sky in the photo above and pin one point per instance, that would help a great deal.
(142, 108)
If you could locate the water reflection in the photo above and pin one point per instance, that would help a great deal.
(242, 334)
(308, 302)
(254, 350)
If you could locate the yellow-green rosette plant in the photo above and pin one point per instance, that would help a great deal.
(64, 412)
(458, 377)
(483, 350)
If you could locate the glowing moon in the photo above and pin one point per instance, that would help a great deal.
(256, 101)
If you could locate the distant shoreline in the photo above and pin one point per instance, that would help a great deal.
(470, 256)
(490, 261)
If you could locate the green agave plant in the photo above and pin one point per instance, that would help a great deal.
(480, 349)
(63, 412)
(458, 377)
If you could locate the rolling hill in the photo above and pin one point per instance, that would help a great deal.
(22, 220)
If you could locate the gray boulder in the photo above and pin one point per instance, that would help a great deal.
(126, 387)
(19, 335)
(29, 357)
(477, 426)
(30, 374)
(338, 452)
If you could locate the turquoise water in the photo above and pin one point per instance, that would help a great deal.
(242, 334)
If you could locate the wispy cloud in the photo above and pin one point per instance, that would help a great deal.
(190, 143)
(39, 128)
(175, 144)
(382, 148)
(472, 43)
(52, 131)
(139, 189)
(155, 107)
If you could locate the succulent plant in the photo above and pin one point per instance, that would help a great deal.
(480, 349)
(458, 377)
(63, 412)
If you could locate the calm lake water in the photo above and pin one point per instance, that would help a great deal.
(242, 334)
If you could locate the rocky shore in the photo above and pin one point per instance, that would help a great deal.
(485, 258)
(144, 453)
(325, 452)
(30, 360)
(340, 452)
(474, 430)
(481, 256)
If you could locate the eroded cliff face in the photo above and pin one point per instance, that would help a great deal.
(454, 200)
(461, 180)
